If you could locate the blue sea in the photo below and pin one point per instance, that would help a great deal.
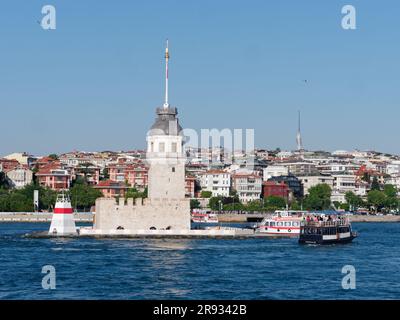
(199, 269)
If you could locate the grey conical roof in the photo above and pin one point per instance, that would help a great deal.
(166, 123)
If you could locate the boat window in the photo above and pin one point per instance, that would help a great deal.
(287, 224)
(279, 224)
(272, 224)
(295, 224)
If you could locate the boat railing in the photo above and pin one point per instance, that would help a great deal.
(334, 223)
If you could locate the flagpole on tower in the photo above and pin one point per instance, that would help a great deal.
(166, 104)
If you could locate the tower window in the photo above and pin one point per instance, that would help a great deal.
(173, 169)
(174, 147)
(161, 147)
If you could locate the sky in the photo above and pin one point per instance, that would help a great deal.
(94, 82)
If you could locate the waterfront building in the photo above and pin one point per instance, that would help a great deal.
(20, 176)
(8, 164)
(216, 181)
(337, 167)
(275, 188)
(190, 186)
(344, 182)
(54, 176)
(112, 189)
(135, 174)
(22, 157)
(274, 171)
(300, 168)
(90, 173)
(247, 186)
(311, 181)
(371, 173)
(294, 184)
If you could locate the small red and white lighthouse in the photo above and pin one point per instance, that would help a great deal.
(63, 222)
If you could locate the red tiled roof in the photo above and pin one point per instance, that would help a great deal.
(110, 184)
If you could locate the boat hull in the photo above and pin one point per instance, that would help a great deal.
(320, 240)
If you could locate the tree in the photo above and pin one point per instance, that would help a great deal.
(376, 199)
(53, 156)
(134, 193)
(205, 194)
(254, 205)
(353, 200)
(214, 203)
(233, 207)
(83, 196)
(375, 184)
(392, 201)
(105, 174)
(390, 190)
(85, 169)
(319, 197)
(4, 183)
(21, 200)
(194, 204)
(274, 202)
(295, 205)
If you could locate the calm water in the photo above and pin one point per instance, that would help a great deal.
(199, 269)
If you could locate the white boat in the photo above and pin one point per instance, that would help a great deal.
(204, 216)
(282, 223)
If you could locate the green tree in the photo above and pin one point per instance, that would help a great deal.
(4, 184)
(85, 169)
(194, 204)
(132, 193)
(295, 205)
(376, 199)
(375, 184)
(353, 200)
(53, 156)
(105, 174)
(390, 190)
(214, 203)
(392, 201)
(254, 205)
(83, 196)
(234, 207)
(205, 194)
(274, 202)
(318, 198)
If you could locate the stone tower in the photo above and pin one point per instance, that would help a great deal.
(165, 153)
(166, 210)
(166, 157)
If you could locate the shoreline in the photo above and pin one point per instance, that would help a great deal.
(353, 218)
(224, 218)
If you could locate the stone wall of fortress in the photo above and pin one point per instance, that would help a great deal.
(143, 214)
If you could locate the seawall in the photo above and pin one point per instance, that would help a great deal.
(39, 217)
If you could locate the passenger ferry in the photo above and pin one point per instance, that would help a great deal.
(204, 216)
(282, 223)
(337, 230)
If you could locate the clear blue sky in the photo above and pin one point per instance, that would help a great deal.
(95, 81)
